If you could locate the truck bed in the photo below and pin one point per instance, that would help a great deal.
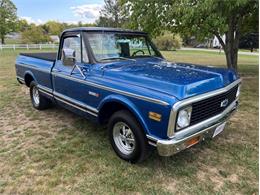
(49, 56)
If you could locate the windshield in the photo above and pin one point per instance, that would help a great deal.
(116, 46)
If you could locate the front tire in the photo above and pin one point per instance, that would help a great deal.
(38, 101)
(127, 137)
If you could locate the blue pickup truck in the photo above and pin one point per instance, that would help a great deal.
(119, 78)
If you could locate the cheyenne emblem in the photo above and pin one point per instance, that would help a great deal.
(224, 103)
(93, 93)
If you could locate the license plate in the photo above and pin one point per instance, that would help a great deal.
(219, 129)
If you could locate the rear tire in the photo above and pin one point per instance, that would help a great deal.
(38, 101)
(127, 137)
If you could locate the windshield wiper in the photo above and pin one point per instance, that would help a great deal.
(115, 58)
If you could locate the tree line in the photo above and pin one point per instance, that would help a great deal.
(31, 33)
(200, 18)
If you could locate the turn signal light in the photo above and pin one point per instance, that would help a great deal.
(155, 116)
(192, 141)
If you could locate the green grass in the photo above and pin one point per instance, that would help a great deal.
(248, 50)
(246, 64)
(57, 152)
(13, 41)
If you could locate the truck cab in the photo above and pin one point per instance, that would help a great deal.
(119, 78)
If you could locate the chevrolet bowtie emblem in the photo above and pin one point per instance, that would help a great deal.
(224, 103)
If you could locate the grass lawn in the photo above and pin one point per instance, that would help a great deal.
(57, 152)
(248, 65)
(13, 41)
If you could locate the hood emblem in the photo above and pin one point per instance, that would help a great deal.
(224, 103)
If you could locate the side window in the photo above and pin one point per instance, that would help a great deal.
(73, 43)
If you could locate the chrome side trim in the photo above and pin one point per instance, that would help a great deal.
(47, 89)
(45, 92)
(148, 99)
(77, 103)
(68, 100)
(178, 105)
(33, 67)
(82, 109)
(153, 144)
(151, 138)
(20, 79)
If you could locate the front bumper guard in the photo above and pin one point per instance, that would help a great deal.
(202, 131)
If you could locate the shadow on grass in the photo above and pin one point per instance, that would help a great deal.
(89, 141)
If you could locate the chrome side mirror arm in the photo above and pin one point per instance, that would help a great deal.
(79, 69)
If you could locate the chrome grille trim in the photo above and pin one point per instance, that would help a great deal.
(189, 101)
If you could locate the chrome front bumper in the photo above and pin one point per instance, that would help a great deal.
(201, 131)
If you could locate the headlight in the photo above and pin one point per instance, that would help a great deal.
(184, 116)
(238, 91)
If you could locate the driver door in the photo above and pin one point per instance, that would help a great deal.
(68, 79)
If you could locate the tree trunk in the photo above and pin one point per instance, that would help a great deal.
(251, 49)
(230, 46)
(3, 40)
(231, 58)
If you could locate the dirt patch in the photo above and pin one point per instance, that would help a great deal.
(171, 186)
(208, 173)
(212, 174)
(233, 178)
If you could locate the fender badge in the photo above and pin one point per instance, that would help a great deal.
(93, 93)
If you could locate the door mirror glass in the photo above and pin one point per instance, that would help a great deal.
(71, 50)
(68, 57)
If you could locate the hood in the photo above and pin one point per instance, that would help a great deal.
(175, 79)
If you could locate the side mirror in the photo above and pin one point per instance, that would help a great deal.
(68, 57)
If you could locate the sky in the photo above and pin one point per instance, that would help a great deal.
(70, 11)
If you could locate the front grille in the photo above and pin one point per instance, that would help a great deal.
(210, 107)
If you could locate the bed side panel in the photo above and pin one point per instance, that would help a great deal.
(39, 69)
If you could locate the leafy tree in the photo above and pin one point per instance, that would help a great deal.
(105, 22)
(203, 18)
(35, 34)
(251, 23)
(112, 14)
(168, 41)
(53, 27)
(80, 24)
(56, 28)
(8, 18)
(22, 25)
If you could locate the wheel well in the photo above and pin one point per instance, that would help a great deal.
(28, 79)
(109, 109)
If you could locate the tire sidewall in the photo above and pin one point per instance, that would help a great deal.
(137, 131)
(33, 85)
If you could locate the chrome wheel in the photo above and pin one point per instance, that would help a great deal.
(124, 138)
(35, 94)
